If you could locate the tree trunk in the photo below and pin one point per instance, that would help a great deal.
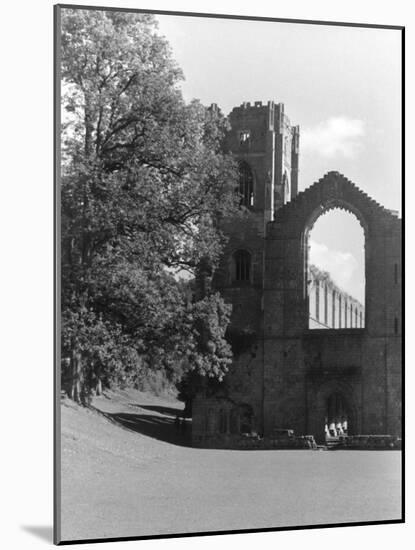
(75, 385)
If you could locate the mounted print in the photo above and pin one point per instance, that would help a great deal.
(229, 274)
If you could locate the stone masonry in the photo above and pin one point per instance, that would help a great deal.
(287, 372)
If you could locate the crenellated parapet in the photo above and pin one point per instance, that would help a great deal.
(333, 190)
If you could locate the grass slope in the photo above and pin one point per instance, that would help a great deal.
(126, 471)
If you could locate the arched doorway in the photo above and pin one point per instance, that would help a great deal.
(333, 408)
(338, 419)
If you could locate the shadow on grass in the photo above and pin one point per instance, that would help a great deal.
(158, 427)
(169, 411)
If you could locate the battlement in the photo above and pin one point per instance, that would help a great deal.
(254, 106)
(247, 105)
(261, 133)
(256, 112)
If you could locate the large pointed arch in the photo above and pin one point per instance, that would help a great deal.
(287, 247)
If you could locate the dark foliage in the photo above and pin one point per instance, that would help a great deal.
(144, 182)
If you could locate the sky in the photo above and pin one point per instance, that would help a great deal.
(341, 85)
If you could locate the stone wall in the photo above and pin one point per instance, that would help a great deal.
(284, 374)
(365, 370)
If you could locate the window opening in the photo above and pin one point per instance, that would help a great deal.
(246, 185)
(242, 265)
(336, 270)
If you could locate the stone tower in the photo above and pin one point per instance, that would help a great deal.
(262, 137)
(266, 148)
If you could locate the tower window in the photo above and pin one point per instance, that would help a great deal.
(246, 184)
(242, 265)
(286, 187)
(244, 136)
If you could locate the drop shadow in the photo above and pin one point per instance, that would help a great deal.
(158, 427)
(43, 532)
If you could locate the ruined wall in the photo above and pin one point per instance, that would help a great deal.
(365, 369)
(284, 374)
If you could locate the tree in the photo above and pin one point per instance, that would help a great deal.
(144, 183)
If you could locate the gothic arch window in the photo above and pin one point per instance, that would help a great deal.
(223, 421)
(210, 421)
(246, 185)
(244, 136)
(286, 187)
(234, 421)
(245, 418)
(242, 266)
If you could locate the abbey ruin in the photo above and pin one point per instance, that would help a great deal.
(305, 353)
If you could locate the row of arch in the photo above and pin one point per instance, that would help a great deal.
(229, 419)
(234, 419)
(332, 308)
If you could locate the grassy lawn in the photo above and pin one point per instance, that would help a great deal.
(127, 472)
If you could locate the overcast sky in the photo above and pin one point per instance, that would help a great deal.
(341, 85)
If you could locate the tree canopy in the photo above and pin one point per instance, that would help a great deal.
(144, 184)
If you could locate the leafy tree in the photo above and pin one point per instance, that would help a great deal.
(144, 182)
